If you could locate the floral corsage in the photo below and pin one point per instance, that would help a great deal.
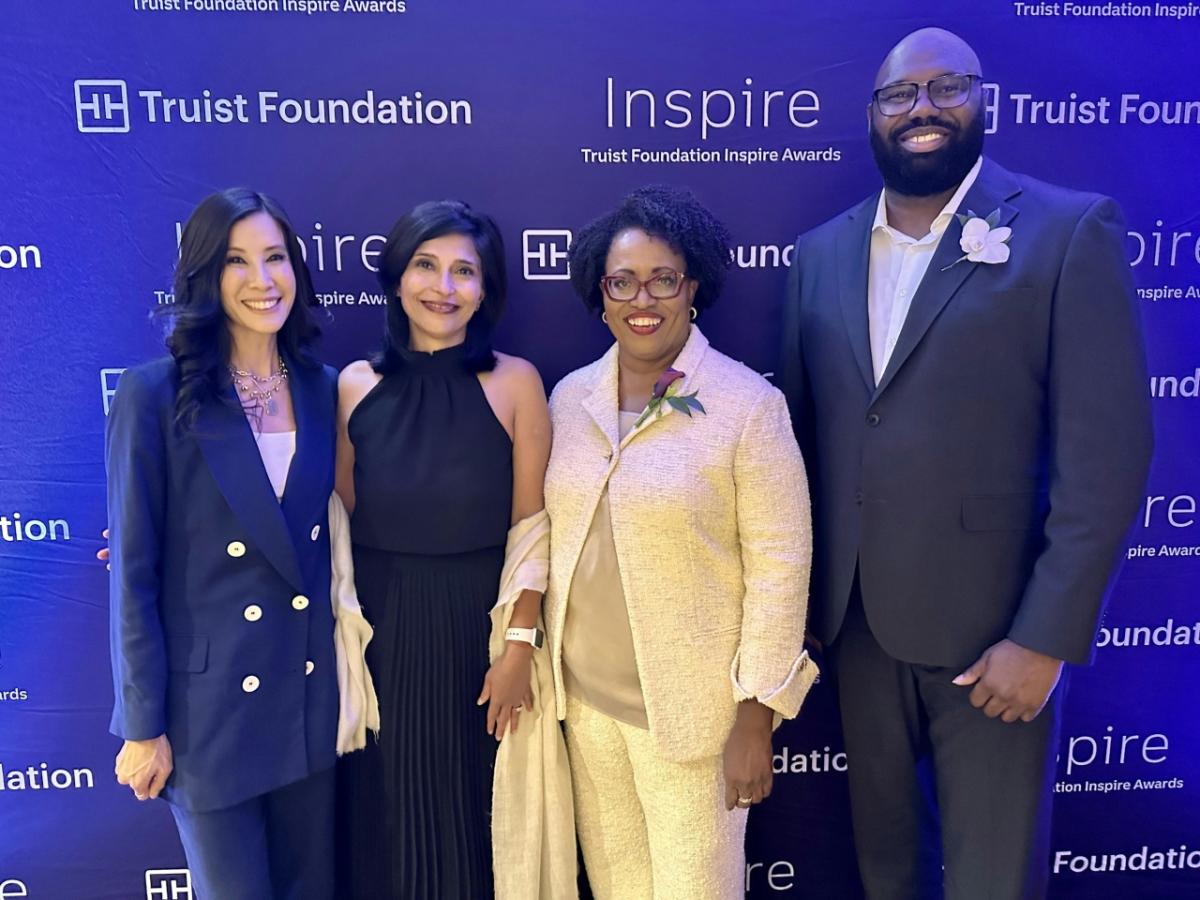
(666, 390)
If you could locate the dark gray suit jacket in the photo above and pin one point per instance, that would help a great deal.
(985, 487)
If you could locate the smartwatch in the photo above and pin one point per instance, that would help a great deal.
(534, 636)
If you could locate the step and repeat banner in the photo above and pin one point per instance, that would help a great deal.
(119, 115)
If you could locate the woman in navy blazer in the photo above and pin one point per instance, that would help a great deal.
(221, 625)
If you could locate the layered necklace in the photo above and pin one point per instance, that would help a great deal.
(258, 392)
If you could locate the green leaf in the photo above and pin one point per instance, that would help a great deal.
(680, 405)
(696, 404)
(963, 218)
(993, 218)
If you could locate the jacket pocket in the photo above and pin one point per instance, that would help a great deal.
(1005, 512)
(187, 652)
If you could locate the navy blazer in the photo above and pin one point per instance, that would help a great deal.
(221, 625)
(985, 487)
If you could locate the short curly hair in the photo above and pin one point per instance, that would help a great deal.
(671, 214)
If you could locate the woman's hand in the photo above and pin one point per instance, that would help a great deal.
(145, 766)
(506, 688)
(747, 757)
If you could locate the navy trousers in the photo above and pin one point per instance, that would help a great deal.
(946, 802)
(277, 846)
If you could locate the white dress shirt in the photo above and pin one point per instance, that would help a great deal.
(897, 265)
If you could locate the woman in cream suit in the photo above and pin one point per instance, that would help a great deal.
(680, 547)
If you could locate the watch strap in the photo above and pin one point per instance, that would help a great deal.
(533, 636)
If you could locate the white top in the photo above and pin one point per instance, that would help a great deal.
(898, 263)
(277, 449)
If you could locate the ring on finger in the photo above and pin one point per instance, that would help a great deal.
(745, 802)
(519, 707)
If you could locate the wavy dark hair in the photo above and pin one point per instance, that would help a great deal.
(425, 222)
(671, 214)
(197, 332)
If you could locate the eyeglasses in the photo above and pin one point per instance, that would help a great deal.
(944, 92)
(623, 288)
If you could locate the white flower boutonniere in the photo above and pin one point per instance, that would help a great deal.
(981, 240)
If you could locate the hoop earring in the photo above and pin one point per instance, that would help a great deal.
(604, 317)
(694, 313)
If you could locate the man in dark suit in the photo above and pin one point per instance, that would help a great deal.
(972, 401)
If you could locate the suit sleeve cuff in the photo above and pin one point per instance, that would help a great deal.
(142, 726)
(786, 697)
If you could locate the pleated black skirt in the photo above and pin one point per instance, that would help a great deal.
(414, 820)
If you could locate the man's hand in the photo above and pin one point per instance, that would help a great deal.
(145, 766)
(747, 756)
(1011, 681)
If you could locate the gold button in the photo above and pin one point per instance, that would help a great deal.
(299, 602)
(236, 549)
(316, 531)
(253, 613)
(250, 684)
(309, 666)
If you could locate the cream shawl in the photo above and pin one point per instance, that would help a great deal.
(533, 816)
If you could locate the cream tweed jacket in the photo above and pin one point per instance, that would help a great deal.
(711, 523)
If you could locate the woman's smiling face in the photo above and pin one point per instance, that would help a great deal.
(648, 329)
(441, 290)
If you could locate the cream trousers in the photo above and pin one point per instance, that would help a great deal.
(650, 829)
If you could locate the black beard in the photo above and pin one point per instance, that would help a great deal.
(926, 174)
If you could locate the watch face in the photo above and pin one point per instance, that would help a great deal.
(539, 638)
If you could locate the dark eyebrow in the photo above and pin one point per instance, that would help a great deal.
(655, 269)
(267, 250)
(427, 255)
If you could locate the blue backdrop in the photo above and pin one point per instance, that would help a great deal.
(119, 115)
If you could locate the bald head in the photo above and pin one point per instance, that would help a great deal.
(927, 127)
(925, 51)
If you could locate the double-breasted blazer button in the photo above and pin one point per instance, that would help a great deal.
(315, 532)
(235, 549)
(300, 602)
(250, 684)
(873, 419)
(309, 666)
(252, 613)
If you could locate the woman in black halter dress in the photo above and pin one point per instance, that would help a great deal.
(433, 493)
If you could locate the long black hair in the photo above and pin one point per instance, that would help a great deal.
(198, 335)
(425, 222)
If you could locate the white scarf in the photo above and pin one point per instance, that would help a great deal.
(533, 814)
(358, 707)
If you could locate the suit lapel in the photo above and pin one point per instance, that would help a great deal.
(308, 483)
(991, 190)
(687, 362)
(231, 453)
(603, 404)
(853, 255)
